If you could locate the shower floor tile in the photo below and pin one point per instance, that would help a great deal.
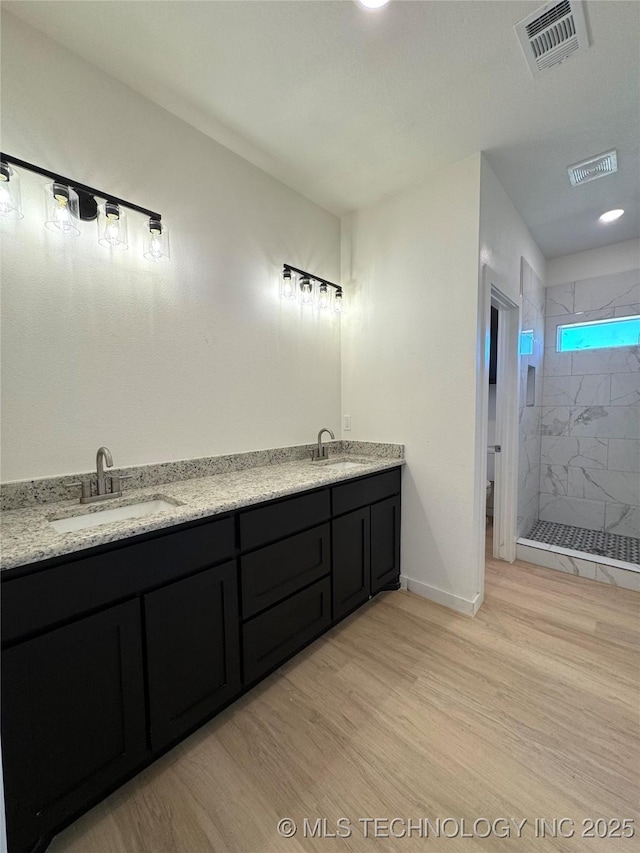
(625, 548)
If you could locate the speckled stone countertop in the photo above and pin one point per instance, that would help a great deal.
(27, 536)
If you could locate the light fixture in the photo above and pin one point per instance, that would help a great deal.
(62, 207)
(611, 215)
(287, 284)
(10, 198)
(112, 226)
(68, 203)
(373, 4)
(157, 243)
(306, 281)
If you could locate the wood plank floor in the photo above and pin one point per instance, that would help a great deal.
(530, 710)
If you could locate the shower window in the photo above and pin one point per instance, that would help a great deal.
(598, 334)
(526, 342)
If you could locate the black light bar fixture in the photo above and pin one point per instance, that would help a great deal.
(310, 289)
(68, 203)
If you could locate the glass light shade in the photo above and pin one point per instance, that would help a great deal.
(156, 246)
(338, 302)
(306, 291)
(61, 209)
(288, 284)
(10, 197)
(112, 226)
(324, 299)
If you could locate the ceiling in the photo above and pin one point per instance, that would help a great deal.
(347, 105)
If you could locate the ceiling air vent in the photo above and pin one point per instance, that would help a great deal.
(594, 167)
(551, 34)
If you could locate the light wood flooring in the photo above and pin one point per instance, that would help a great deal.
(406, 709)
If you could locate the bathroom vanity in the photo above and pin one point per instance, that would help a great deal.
(114, 653)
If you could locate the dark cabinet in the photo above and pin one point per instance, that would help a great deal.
(193, 650)
(46, 598)
(286, 598)
(366, 542)
(112, 655)
(73, 720)
(385, 543)
(276, 634)
(272, 573)
(369, 490)
(351, 561)
(282, 518)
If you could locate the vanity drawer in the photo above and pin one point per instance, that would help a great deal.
(367, 491)
(274, 572)
(33, 602)
(277, 520)
(272, 637)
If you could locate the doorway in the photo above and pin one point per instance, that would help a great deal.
(503, 369)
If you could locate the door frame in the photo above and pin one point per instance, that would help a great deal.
(505, 512)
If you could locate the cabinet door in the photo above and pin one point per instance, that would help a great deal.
(273, 636)
(385, 543)
(351, 561)
(193, 653)
(73, 720)
(275, 572)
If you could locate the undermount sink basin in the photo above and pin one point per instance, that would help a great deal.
(344, 466)
(104, 516)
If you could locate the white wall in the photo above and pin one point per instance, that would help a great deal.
(198, 357)
(609, 260)
(409, 364)
(504, 241)
(504, 238)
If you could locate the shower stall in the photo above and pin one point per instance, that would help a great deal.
(579, 442)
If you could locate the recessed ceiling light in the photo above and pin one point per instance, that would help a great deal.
(612, 215)
(373, 4)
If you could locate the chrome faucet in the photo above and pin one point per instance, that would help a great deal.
(106, 487)
(103, 457)
(320, 452)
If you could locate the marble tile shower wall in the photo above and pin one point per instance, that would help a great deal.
(590, 454)
(533, 317)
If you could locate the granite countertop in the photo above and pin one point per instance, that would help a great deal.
(27, 536)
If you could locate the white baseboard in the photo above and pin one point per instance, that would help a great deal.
(454, 602)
